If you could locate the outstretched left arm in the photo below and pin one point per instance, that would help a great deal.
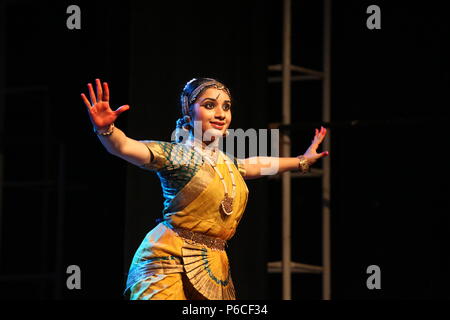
(257, 167)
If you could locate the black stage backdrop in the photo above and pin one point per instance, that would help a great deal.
(63, 194)
(66, 201)
(390, 208)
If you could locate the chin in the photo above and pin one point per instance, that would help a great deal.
(215, 132)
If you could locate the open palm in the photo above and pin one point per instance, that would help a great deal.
(311, 154)
(100, 113)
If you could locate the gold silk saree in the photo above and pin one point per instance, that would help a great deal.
(170, 264)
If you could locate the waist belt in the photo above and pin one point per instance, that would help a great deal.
(200, 238)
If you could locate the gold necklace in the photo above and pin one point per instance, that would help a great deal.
(227, 203)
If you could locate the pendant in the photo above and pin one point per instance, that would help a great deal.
(227, 205)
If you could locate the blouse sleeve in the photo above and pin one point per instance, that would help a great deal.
(240, 166)
(160, 151)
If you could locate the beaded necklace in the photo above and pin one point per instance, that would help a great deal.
(227, 203)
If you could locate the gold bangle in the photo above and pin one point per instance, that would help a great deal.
(303, 164)
(107, 132)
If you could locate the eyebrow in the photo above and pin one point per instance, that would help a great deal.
(215, 100)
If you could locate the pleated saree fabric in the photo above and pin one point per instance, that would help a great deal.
(171, 265)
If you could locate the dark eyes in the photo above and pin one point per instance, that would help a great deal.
(211, 105)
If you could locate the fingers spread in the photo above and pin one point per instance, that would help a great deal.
(92, 94)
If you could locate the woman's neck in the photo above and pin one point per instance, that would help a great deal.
(212, 144)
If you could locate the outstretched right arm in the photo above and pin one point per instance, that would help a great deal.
(102, 117)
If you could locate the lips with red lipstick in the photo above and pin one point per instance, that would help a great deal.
(218, 124)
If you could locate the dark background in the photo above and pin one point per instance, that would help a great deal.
(66, 201)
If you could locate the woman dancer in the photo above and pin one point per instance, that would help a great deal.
(184, 257)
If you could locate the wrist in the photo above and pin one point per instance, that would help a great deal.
(104, 131)
(303, 164)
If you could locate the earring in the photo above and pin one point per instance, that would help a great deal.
(186, 120)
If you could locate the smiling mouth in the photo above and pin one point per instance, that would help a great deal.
(217, 125)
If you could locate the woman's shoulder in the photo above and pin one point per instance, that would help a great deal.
(170, 154)
(161, 151)
(165, 144)
(164, 147)
(157, 142)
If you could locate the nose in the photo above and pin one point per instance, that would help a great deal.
(220, 113)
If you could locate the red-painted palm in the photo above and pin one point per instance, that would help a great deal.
(100, 113)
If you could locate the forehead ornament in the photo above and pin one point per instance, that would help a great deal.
(188, 100)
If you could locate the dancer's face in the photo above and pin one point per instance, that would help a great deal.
(213, 109)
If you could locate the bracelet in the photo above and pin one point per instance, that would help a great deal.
(107, 132)
(303, 165)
